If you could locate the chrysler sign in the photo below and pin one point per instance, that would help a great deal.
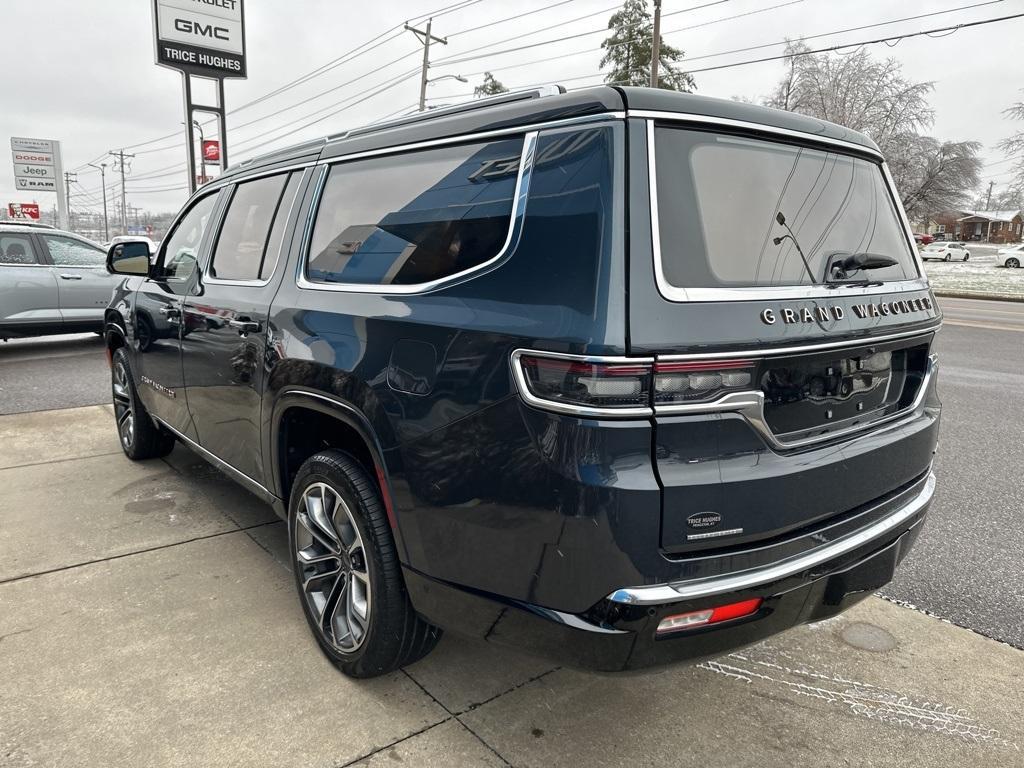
(202, 37)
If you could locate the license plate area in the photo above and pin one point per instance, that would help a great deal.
(810, 395)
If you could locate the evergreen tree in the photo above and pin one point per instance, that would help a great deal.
(628, 51)
(490, 86)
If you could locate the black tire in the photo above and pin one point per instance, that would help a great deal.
(949, 257)
(1013, 263)
(139, 435)
(390, 634)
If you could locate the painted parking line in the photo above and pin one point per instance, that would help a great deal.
(987, 326)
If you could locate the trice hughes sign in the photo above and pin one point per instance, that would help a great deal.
(202, 37)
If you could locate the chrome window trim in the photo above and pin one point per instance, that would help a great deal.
(800, 348)
(750, 405)
(515, 227)
(708, 587)
(471, 137)
(690, 117)
(575, 410)
(209, 279)
(760, 293)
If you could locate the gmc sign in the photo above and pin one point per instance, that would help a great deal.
(202, 37)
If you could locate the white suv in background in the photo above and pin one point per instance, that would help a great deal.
(945, 251)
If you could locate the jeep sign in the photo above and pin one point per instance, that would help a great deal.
(201, 37)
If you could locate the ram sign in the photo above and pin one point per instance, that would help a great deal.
(202, 37)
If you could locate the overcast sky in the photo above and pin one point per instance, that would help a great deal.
(83, 73)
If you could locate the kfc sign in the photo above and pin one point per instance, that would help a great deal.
(23, 210)
(211, 151)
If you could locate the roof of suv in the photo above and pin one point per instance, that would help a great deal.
(541, 106)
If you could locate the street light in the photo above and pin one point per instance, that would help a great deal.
(460, 78)
(103, 183)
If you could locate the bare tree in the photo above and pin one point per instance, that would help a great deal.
(1013, 146)
(874, 97)
(854, 90)
(933, 175)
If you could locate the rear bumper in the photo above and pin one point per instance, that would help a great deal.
(619, 633)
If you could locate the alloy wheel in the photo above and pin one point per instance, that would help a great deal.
(124, 411)
(332, 564)
(1013, 263)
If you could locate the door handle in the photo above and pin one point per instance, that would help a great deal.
(244, 325)
(65, 276)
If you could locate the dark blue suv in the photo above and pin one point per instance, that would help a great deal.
(619, 376)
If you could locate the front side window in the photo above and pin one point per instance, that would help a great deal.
(16, 249)
(242, 245)
(719, 203)
(182, 247)
(68, 252)
(416, 217)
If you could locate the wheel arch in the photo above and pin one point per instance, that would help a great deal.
(304, 422)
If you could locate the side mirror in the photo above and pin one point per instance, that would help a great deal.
(129, 258)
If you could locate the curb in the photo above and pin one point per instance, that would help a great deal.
(979, 295)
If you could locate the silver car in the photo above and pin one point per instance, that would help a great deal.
(51, 282)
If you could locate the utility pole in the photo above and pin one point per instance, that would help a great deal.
(103, 185)
(68, 178)
(988, 198)
(425, 37)
(656, 44)
(121, 157)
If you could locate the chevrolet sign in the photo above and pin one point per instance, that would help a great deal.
(202, 37)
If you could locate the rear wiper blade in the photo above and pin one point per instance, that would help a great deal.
(839, 264)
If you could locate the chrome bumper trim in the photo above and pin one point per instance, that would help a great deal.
(689, 590)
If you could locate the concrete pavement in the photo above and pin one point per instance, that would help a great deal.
(147, 617)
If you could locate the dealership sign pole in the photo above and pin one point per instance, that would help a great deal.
(38, 168)
(206, 40)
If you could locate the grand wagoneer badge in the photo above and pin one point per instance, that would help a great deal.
(825, 313)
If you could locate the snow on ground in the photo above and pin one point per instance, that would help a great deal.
(980, 274)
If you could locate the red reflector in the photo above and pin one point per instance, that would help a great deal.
(735, 610)
(708, 616)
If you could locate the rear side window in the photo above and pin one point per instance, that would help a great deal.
(242, 246)
(416, 217)
(719, 198)
(68, 252)
(16, 249)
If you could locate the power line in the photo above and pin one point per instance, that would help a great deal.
(795, 54)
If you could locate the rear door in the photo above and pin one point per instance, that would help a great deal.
(28, 290)
(225, 336)
(773, 348)
(84, 286)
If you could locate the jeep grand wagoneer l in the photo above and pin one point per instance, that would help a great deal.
(619, 376)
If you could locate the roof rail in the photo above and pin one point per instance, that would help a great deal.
(454, 109)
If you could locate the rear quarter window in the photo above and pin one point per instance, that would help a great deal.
(415, 217)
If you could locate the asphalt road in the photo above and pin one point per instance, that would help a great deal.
(967, 566)
(40, 374)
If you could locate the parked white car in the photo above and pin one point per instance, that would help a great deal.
(945, 251)
(1011, 256)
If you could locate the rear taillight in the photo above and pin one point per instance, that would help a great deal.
(624, 386)
(584, 384)
(699, 380)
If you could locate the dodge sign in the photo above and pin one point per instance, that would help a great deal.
(201, 37)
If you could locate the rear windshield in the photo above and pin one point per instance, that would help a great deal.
(719, 200)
